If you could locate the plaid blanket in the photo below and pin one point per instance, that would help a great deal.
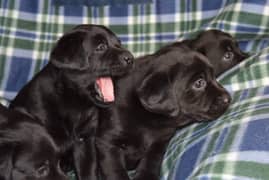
(236, 146)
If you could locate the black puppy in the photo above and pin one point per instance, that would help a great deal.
(167, 90)
(66, 94)
(27, 151)
(221, 49)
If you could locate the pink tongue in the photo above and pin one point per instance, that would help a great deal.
(106, 87)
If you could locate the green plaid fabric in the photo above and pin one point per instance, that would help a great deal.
(29, 29)
(235, 146)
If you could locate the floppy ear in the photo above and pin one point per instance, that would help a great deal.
(70, 53)
(6, 153)
(197, 44)
(201, 50)
(156, 95)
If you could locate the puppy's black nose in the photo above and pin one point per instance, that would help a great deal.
(127, 59)
(224, 99)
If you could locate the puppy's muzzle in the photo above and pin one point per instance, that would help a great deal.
(123, 64)
(223, 100)
(220, 104)
(126, 59)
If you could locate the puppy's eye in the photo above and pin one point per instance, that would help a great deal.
(229, 48)
(43, 170)
(101, 47)
(228, 56)
(199, 84)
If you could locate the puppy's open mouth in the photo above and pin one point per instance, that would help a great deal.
(105, 90)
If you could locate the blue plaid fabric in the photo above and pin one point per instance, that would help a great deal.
(233, 147)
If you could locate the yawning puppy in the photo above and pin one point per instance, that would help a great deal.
(27, 152)
(221, 49)
(66, 94)
(167, 90)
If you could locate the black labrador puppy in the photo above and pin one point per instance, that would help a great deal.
(27, 151)
(66, 94)
(221, 49)
(167, 90)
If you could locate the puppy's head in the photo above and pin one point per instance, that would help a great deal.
(221, 49)
(27, 152)
(91, 56)
(181, 84)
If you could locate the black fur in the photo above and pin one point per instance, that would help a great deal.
(221, 49)
(63, 96)
(27, 151)
(167, 90)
